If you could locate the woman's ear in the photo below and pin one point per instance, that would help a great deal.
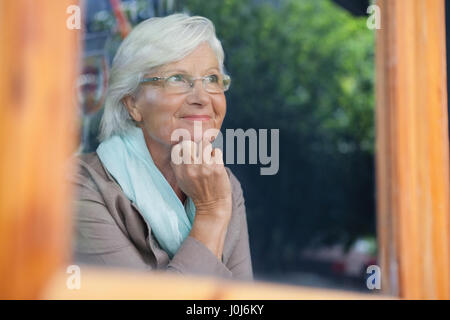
(130, 103)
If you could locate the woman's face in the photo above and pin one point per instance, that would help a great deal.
(160, 113)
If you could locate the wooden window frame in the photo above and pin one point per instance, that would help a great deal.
(38, 133)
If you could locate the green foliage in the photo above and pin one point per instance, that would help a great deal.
(307, 68)
(297, 59)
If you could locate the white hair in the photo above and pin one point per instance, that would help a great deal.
(151, 44)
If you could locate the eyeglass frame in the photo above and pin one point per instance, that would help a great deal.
(191, 81)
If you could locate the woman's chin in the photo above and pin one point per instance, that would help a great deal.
(194, 131)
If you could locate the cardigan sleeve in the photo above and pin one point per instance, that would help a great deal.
(240, 262)
(100, 241)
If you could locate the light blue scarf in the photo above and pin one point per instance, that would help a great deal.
(128, 160)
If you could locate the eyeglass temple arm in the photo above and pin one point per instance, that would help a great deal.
(150, 79)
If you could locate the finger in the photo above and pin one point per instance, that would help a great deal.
(207, 154)
(205, 142)
(176, 154)
(195, 152)
(188, 150)
(217, 156)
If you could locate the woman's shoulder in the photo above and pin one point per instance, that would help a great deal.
(89, 174)
(90, 166)
(88, 163)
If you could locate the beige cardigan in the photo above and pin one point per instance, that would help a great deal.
(110, 231)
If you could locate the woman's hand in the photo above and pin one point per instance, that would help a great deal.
(201, 174)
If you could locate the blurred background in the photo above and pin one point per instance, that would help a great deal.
(305, 67)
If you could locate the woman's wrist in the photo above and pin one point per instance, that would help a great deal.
(218, 208)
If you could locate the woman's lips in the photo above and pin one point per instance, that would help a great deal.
(197, 117)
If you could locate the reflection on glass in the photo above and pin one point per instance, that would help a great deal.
(92, 85)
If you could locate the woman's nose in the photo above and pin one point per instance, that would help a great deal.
(198, 93)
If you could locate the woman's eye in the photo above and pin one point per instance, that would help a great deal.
(213, 78)
(176, 78)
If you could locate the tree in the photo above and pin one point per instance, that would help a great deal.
(307, 68)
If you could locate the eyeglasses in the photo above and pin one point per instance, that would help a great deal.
(183, 83)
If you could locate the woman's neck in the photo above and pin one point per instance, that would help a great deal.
(161, 155)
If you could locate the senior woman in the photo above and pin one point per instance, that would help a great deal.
(135, 206)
